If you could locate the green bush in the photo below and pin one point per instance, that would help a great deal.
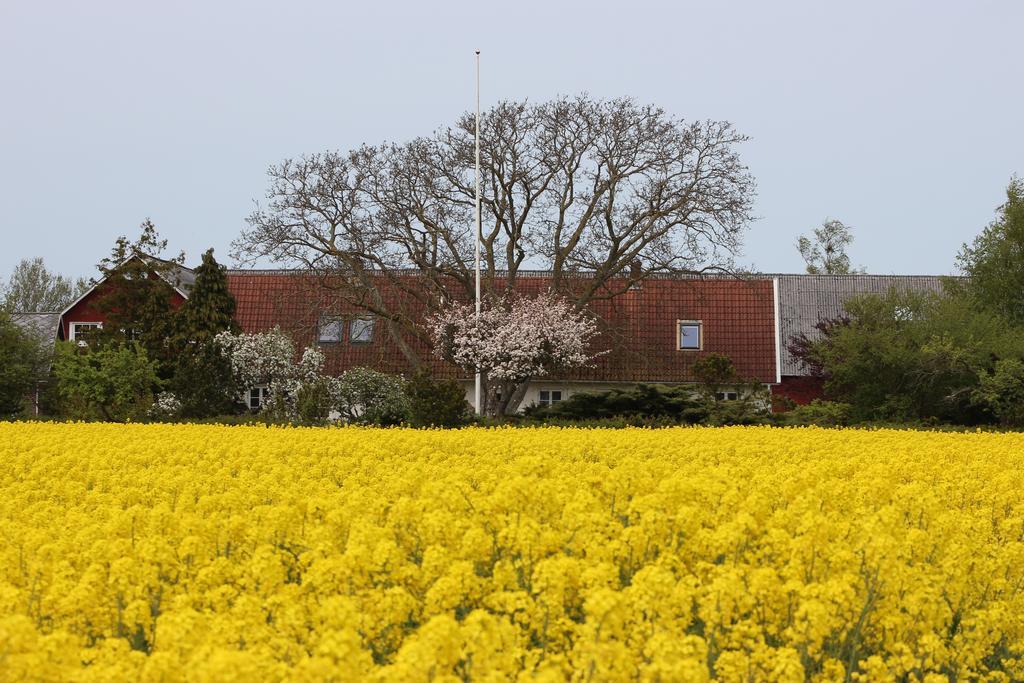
(714, 372)
(819, 412)
(640, 402)
(436, 403)
(906, 356)
(313, 402)
(751, 408)
(1002, 392)
(115, 383)
(19, 366)
(365, 396)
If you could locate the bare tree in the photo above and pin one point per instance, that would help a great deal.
(825, 253)
(601, 193)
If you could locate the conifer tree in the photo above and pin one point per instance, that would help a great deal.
(210, 308)
(203, 380)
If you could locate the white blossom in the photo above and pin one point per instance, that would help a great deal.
(268, 359)
(524, 339)
(165, 405)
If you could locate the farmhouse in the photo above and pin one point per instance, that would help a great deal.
(651, 333)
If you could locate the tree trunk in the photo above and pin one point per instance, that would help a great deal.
(515, 397)
(511, 397)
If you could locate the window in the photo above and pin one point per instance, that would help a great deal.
(81, 332)
(550, 397)
(257, 397)
(331, 330)
(727, 396)
(360, 331)
(689, 336)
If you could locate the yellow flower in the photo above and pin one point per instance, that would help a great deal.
(207, 553)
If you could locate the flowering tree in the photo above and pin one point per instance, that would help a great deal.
(363, 395)
(512, 343)
(268, 358)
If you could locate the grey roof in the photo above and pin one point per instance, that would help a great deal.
(178, 275)
(42, 326)
(806, 300)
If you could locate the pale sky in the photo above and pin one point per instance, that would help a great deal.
(902, 119)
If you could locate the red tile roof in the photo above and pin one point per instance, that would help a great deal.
(638, 327)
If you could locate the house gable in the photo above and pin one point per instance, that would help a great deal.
(86, 309)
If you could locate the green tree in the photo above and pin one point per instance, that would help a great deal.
(907, 355)
(137, 304)
(1002, 392)
(994, 262)
(19, 366)
(210, 307)
(714, 372)
(34, 289)
(204, 383)
(825, 252)
(115, 383)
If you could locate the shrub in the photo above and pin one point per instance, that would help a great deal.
(436, 403)
(313, 402)
(642, 401)
(909, 356)
(1002, 392)
(268, 359)
(365, 396)
(713, 372)
(819, 412)
(165, 406)
(115, 383)
(750, 408)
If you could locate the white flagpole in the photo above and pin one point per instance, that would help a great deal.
(479, 403)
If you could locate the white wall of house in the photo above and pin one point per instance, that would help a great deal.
(567, 389)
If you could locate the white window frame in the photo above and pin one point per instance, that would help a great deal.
(331, 320)
(73, 328)
(351, 329)
(550, 400)
(727, 396)
(700, 335)
(262, 390)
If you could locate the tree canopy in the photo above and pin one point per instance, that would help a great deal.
(21, 364)
(910, 355)
(611, 187)
(825, 251)
(210, 307)
(994, 261)
(32, 288)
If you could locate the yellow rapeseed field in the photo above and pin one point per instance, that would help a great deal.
(167, 553)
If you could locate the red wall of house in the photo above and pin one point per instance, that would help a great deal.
(86, 311)
(800, 390)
